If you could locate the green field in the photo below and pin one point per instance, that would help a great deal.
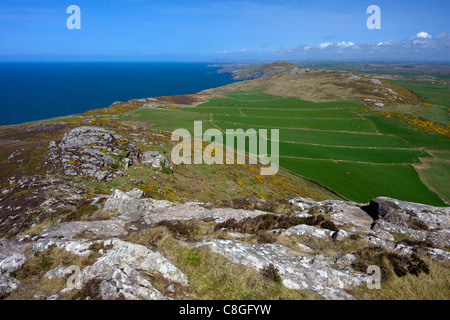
(361, 182)
(393, 156)
(437, 94)
(359, 155)
(357, 125)
(168, 120)
(438, 114)
(252, 101)
(332, 138)
(290, 113)
(415, 138)
(434, 93)
(437, 177)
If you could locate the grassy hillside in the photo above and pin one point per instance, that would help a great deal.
(186, 183)
(359, 153)
(348, 131)
(434, 93)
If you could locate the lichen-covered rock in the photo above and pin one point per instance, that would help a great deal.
(78, 247)
(156, 160)
(11, 259)
(86, 136)
(92, 152)
(12, 263)
(344, 213)
(312, 231)
(7, 285)
(302, 203)
(135, 193)
(402, 213)
(122, 270)
(125, 202)
(58, 273)
(163, 210)
(418, 221)
(307, 230)
(9, 248)
(309, 272)
(101, 229)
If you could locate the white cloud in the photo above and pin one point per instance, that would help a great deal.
(423, 35)
(245, 50)
(420, 40)
(419, 45)
(443, 40)
(325, 45)
(344, 44)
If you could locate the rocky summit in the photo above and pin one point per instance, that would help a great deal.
(119, 267)
(107, 216)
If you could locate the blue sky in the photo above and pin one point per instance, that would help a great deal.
(224, 30)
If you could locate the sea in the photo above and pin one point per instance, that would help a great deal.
(31, 91)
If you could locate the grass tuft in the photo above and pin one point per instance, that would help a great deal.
(270, 272)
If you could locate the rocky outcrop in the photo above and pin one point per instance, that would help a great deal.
(135, 212)
(344, 213)
(100, 154)
(299, 272)
(418, 221)
(156, 160)
(11, 259)
(125, 202)
(31, 200)
(126, 270)
(92, 152)
(121, 271)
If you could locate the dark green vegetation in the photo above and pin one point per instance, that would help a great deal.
(390, 263)
(360, 155)
(270, 272)
(436, 94)
(361, 182)
(413, 277)
(436, 174)
(433, 92)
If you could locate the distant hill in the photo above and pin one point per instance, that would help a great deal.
(250, 72)
(288, 80)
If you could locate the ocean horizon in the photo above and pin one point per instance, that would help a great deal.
(32, 91)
